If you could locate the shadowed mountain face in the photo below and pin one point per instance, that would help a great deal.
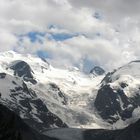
(96, 71)
(13, 128)
(108, 104)
(22, 69)
(131, 132)
(119, 94)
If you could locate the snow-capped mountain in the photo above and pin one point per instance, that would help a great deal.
(49, 97)
(118, 99)
(25, 102)
(66, 93)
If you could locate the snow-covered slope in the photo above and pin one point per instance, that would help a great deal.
(66, 93)
(72, 97)
(25, 102)
(118, 99)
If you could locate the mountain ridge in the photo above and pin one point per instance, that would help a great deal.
(70, 95)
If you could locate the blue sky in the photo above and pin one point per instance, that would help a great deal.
(34, 36)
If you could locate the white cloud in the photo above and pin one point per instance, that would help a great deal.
(110, 41)
(112, 9)
(7, 40)
(76, 50)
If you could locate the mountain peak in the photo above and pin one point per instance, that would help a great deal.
(97, 71)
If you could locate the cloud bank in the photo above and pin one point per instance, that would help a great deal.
(73, 32)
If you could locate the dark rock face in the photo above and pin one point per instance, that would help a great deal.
(22, 69)
(13, 128)
(108, 78)
(132, 132)
(25, 103)
(97, 71)
(54, 88)
(2, 75)
(112, 104)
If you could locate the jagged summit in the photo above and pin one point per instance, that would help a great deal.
(97, 71)
(22, 69)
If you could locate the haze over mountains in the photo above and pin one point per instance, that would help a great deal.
(46, 97)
